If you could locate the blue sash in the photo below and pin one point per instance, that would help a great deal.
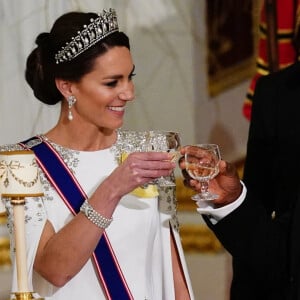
(105, 262)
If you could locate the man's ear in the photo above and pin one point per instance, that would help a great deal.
(64, 87)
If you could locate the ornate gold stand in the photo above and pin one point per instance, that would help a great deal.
(20, 179)
(19, 224)
(24, 296)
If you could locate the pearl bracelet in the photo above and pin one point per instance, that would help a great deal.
(94, 216)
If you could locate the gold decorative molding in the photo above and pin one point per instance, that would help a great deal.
(183, 194)
(2, 218)
(4, 252)
(199, 238)
(228, 63)
(4, 244)
(194, 237)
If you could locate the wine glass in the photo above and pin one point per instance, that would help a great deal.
(137, 141)
(168, 141)
(202, 164)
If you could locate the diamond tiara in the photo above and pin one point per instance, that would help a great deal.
(98, 29)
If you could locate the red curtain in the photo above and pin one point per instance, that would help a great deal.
(286, 12)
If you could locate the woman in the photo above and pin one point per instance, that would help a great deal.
(74, 246)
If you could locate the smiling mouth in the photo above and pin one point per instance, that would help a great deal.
(116, 108)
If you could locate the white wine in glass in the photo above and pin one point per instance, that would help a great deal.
(202, 164)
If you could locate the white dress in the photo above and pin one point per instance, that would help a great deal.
(139, 233)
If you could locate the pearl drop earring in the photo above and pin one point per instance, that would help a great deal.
(71, 100)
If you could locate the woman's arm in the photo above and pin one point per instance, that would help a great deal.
(61, 255)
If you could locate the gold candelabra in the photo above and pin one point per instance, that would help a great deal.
(19, 178)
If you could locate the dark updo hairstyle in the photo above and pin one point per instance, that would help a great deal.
(41, 67)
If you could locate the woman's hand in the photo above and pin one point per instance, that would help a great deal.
(140, 168)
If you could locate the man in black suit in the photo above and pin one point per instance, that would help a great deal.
(272, 163)
(261, 229)
(272, 166)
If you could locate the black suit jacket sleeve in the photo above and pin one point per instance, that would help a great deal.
(257, 241)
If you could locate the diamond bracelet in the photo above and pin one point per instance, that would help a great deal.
(94, 216)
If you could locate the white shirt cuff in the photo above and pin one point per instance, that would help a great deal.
(216, 214)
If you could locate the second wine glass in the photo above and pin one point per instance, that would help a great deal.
(167, 141)
(202, 164)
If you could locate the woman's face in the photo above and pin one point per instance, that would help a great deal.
(103, 93)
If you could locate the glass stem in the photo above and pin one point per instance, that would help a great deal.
(204, 186)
